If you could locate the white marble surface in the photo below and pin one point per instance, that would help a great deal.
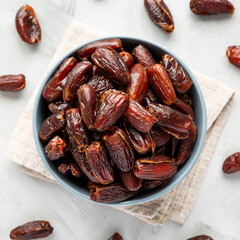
(200, 41)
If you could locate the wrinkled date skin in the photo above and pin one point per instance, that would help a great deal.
(161, 83)
(183, 107)
(139, 117)
(116, 236)
(32, 230)
(143, 56)
(232, 163)
(233, 54)
(79, 75)
(55, 148)
(110, 62)
(76, 130)
(12, 83)
(70, 168)
(153, 184)
(113, 105)
(90, 48)
(110, 194)
(141, 142)
(138, 86)
(201, 237)
(155, 168)
(27, 25)
(60, 106)
(89, 104)
(176, 122)
(186, 147)
(98, 161)
(159, 136)
(128, 59)
(131, 182)
(51, 126)
(179, 77)
(54, 88)
(160, 14)
(119, 148)
(207, 7)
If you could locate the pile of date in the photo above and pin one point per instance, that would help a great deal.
(119, 123)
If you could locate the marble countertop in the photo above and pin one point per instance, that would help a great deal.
(200, 41)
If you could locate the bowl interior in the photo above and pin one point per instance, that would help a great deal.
(41, 112)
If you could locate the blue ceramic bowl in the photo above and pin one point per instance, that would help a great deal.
(40, 112)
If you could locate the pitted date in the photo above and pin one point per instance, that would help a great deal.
(131, 182)
(90, 48)
(138, 86)
(27, 25)
(183, 107)
(153, 184)
(143, 56)
(12, 83)
(70, 169)
(113, 105)
(201, 237)
(157, 167)
(32, 230)
(116, 236)
(55, 148)
(232, 163)
(54, 88)
(79, 75)
(51, 126)
(60, 106)
(89, 104)
(139, 117)
(161, 83)
(207, 7)
(233, 54)
(76, 130)
(128, 59)
(159, 136)
(110, 62)
(160, 14)
(98, 161)
(110, 194)
(119, 148)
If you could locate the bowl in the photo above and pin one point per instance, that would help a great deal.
(40, 112)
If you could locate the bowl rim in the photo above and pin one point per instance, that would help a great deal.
(172, 184)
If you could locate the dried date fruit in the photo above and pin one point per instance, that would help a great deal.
(110, 62)
(153, 184)
(174, 143)
(76, 130)
(55, 148)
(139, 117)
(232, 163)
(51, 126)
(90, 48)
(95, 71)
(160, 14)
(141, 142)
(89, 104)
(99, 163)
(143, 56)
(159, 136)
(12, 83)
(186, 147)
(70, 168)
(27, 25)
(155, 167)
(131, 182)
(183, 107)
(113, 105)
(161, 83)
(53, 90)
(59, 106)
(138, 86)
(116, 236)
(172, 120)
(201, 237)
(179, 77)
(32, 230)
(128, 59)
(207, 7)
(119, 148)
(233, 54)
(110, 194)
(79, 75)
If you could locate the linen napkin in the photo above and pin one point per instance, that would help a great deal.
(175, 205)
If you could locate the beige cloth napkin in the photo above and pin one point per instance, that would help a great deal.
(175, 205)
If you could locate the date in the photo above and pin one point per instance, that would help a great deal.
(128, 59)
(183, 107)
(159, 136)
(233, 54)
(60, 106)
(174, 144)
(201, 237)
(131, 182)
(232, 163)
(154, 184)
(12, 83)
(160, 14)
(27, 25)
(32, 230)
(70, 169)
(116, 236)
